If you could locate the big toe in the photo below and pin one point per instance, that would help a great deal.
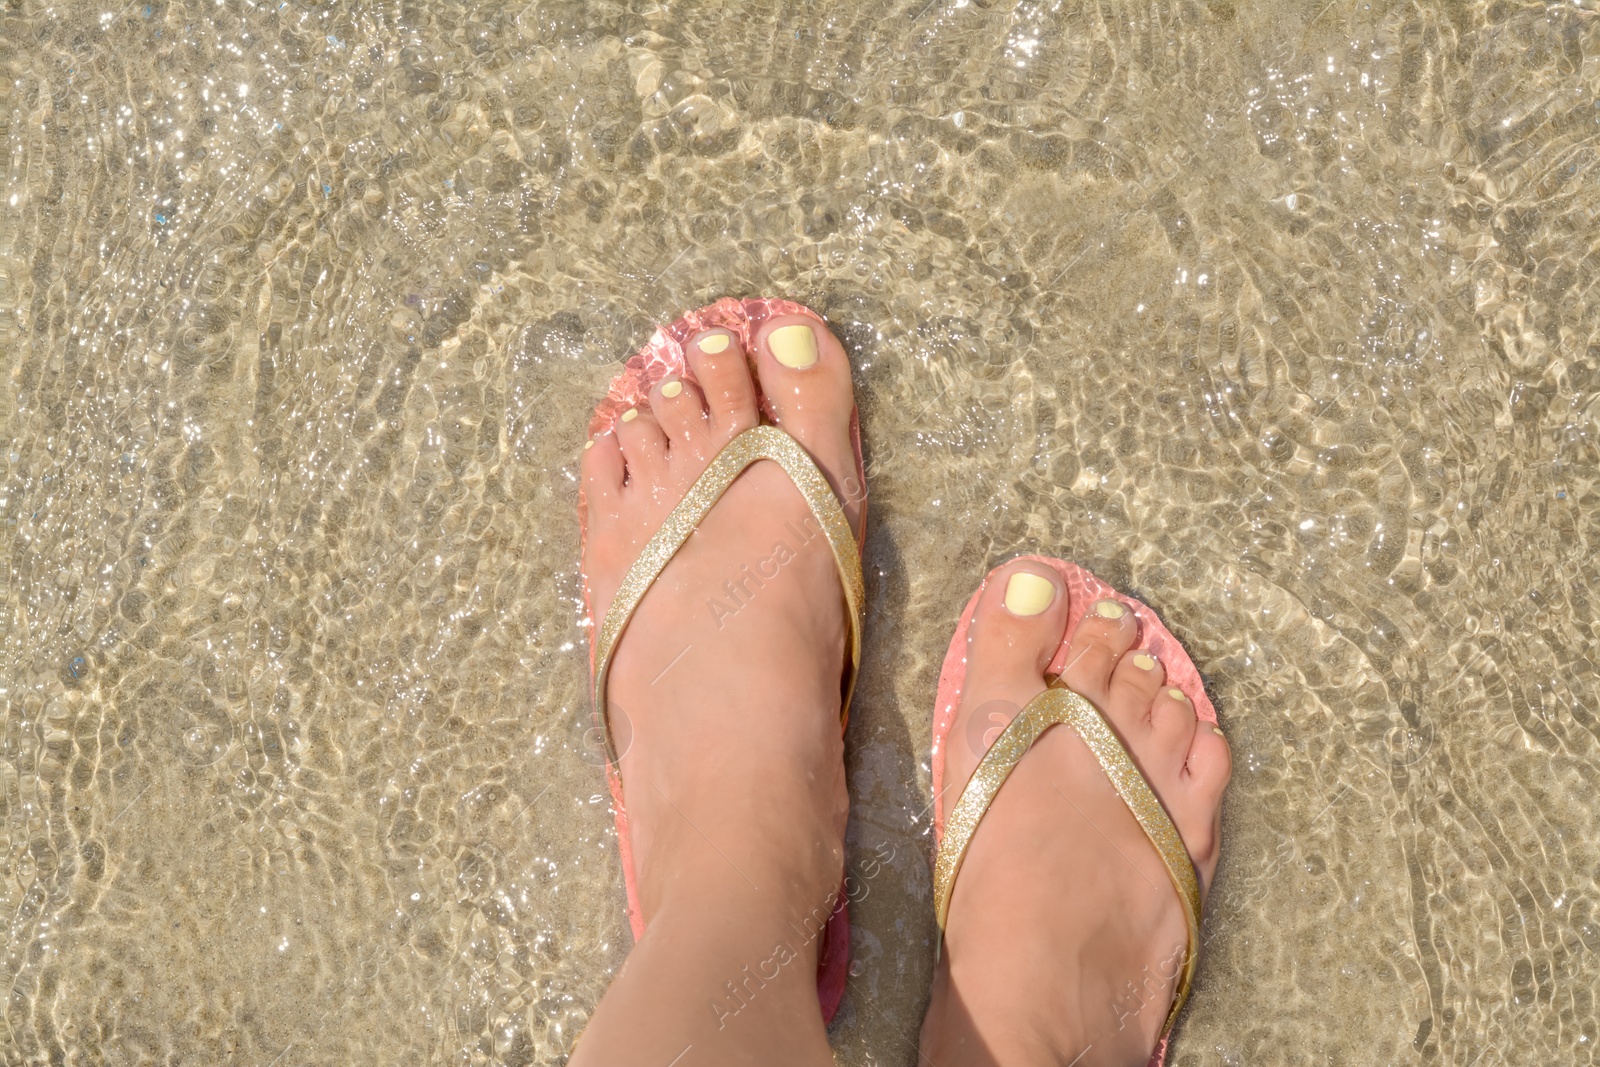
(805, 376)
(1015, 631)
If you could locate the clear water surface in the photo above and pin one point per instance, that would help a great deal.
(1280, 316)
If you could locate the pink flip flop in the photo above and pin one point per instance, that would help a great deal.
(661, 357)
(1059, 705)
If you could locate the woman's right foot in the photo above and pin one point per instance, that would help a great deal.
(1065, 933)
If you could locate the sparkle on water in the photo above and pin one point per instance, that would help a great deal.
(1271, 314)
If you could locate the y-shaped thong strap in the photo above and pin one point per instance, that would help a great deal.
(751, 446)
(1060, 705)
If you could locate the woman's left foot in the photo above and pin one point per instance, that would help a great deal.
(724, 700)
(1065, 934)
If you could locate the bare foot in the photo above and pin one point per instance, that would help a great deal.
(724, 702)
(1065, 933)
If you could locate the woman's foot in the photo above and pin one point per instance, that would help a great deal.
(724, 701)
(1065, 934)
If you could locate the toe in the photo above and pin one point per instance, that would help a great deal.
(805, 376)
(644, 446)
(1198, 814)
(601, 468)
(1016, 629)
(1018, 623)
(682, 413)
(721, 368)
(1106, 632)
(1210, 762)
(1135, 680)
(1172, 728)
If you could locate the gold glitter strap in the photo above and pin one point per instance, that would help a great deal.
(751, 446)
(1058, 704)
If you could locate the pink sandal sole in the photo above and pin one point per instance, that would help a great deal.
(662, 357)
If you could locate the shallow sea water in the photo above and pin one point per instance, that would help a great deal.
(1274, 315)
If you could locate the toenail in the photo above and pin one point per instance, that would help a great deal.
(630, 414)
(671, 389)
(712, 343)
(1110, 609)
(794, 346)
(1178, 695)
(588, 444)
(1219, 733)
(1144, 661)
(1028, 594)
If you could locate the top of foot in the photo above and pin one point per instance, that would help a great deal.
(724, 702)
(726, 681)
(1065, 932)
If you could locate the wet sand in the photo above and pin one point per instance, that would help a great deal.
(1278, 316)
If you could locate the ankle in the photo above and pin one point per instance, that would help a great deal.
(770, 862)
(1033, 981)
(759, 935)
(1064, 1011)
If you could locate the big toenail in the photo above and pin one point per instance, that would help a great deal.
(671, 389)
(1179, 695)
(1144, 661)
(1028, 594)
(712, 343)
(630, 414)
(1219, 733)
(1110, 609)
(793, 346)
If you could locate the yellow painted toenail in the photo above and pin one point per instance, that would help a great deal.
(588, 444)
(1110, 609)
(793, 346)
(1178, 695)
(1144, 661)
(671, 389)
(1028, 594)
(1218, 732)
(712, 343)
(630, 414)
